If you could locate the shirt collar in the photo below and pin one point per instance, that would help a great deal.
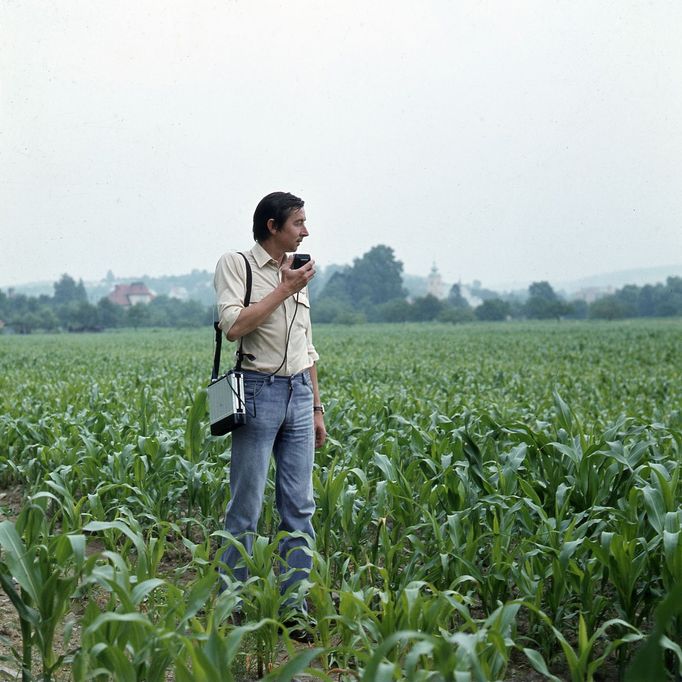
(261, 256)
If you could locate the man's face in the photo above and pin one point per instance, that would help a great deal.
(293, 231)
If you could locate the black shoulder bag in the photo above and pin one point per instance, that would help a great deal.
(226, 400)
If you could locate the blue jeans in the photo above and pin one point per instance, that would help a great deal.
(279, 422)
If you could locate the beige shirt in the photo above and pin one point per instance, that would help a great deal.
(266, 342)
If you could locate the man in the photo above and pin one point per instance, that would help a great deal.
(285, 417)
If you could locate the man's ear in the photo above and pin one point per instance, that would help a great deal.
(272, 226)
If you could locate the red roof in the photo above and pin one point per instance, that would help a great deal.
(127, 294)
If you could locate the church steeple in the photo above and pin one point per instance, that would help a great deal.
(434, 283)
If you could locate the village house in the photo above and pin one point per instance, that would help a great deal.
(127, 295)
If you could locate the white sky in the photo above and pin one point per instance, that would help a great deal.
(503, 140)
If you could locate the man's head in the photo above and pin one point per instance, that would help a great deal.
(272, 212)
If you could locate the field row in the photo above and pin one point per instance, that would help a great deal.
(493, 501)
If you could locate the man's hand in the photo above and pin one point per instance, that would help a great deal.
(295, 280)
(320, 430)
(253, 316)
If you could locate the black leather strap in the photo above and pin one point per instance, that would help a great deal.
(249, 280)
(219, 333)
(216, 355)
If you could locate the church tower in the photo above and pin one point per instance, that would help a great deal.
(434, 283)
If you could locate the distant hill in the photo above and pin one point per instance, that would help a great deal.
(605, 281)
(638, 276)
(32, 289)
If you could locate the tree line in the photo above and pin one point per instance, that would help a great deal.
(68, 309)
(369, 290)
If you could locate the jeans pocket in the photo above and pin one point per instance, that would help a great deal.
(252, 387)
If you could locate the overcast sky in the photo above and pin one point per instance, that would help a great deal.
(504, 141)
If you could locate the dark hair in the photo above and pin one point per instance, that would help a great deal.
(278, 206)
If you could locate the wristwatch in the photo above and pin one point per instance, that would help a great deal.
(318, 408)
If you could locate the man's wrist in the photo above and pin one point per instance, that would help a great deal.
(318, 408)
(285, 290)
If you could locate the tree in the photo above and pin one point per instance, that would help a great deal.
(84, 317)
(26, 313)
(109, 315)
(192, 314)
(337, 286)
(333, 310)
(646, 301)
(48, 319)
(493, 309)
(66, 290)
(542, 290)
(376, 277)
(456, 315)
(163, 312)
(66, 312)
(426, 308)
(373, 279)
(397, 310)
(578, 310)
(455, 298)
(26, 322)
(608, 308)
(350, 317)
(671, 297)
(543, 303)
(138, 315)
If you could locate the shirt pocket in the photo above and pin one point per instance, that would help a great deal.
(303, 301)
(303, 310)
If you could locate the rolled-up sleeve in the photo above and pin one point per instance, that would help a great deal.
(312, 353)
(229, 282)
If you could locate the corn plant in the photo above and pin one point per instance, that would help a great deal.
(490, 488)
(582, 659)
(40, 581)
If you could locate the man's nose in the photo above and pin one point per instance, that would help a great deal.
(304, 231)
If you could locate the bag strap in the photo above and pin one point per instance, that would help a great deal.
(247, 299)
(219, 333)
(249, 280)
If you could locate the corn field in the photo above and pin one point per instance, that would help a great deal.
(493, 503)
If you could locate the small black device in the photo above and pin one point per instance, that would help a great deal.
(300, 259)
